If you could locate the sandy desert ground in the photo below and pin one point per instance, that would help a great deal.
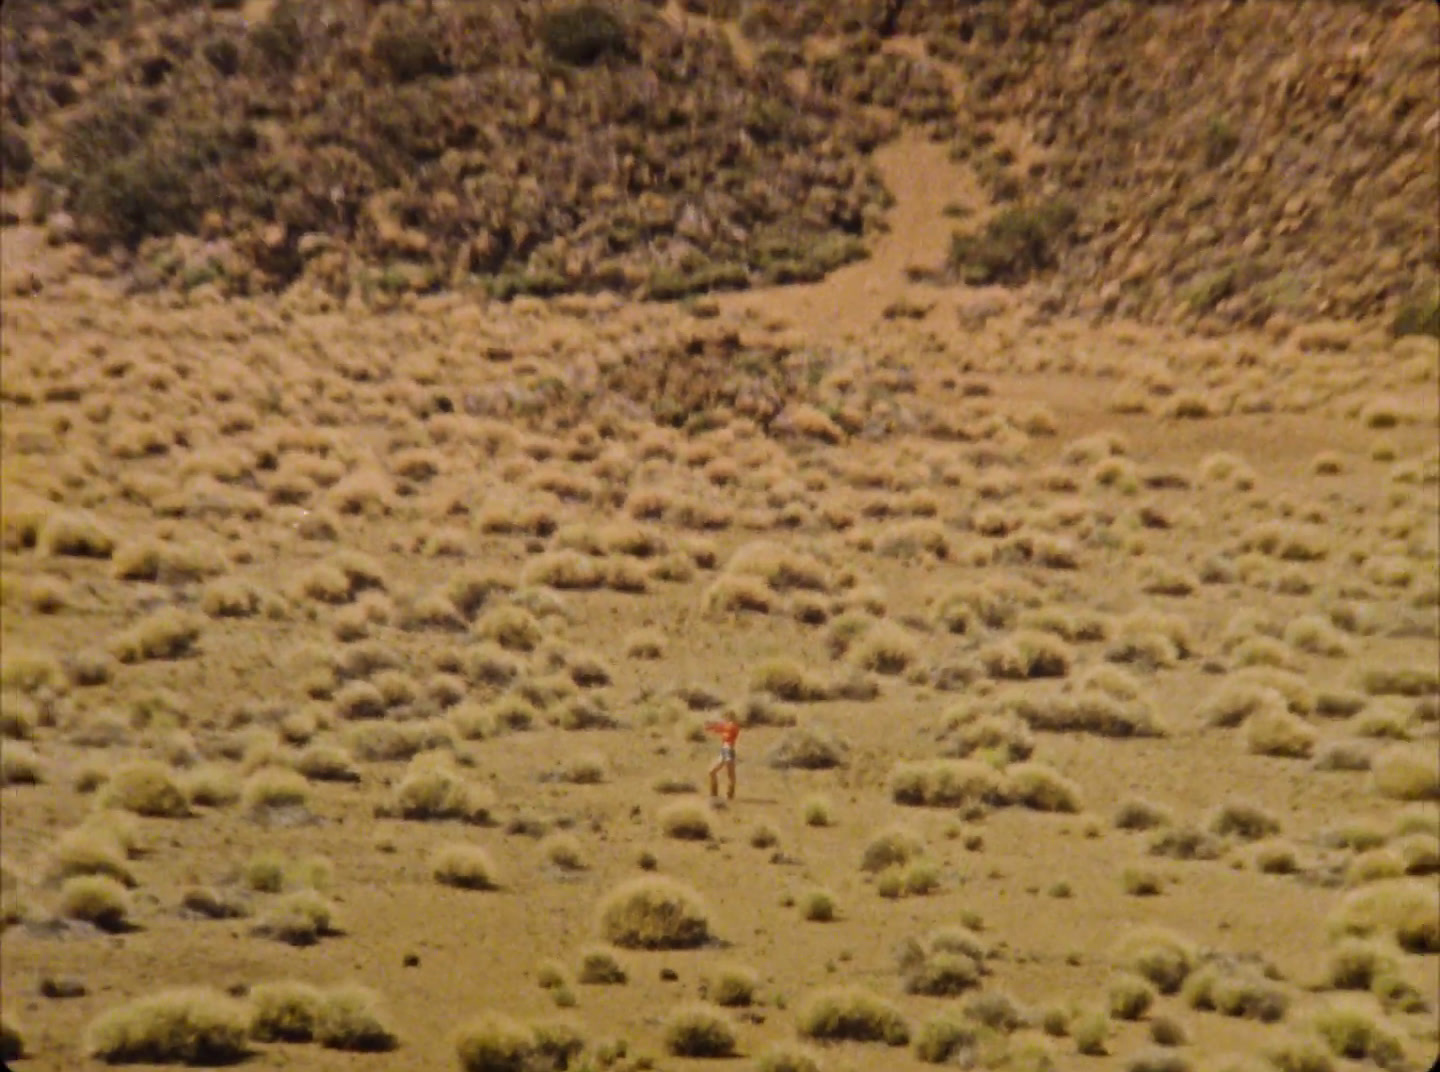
(1088, 676)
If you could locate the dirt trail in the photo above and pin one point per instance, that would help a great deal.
(924, 180)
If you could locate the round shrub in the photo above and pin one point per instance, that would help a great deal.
(699, 1030)
(654, 913)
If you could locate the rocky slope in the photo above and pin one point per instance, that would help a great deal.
(1172, 161)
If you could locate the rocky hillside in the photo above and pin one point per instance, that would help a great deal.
(1163, 160)
(575, 147)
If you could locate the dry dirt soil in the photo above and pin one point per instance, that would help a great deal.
(1127, 629)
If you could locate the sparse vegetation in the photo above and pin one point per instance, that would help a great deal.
(452, 590)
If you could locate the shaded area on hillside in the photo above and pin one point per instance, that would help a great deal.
(1149, 159)
(437, 144)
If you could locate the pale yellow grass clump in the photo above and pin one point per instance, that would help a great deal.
(1237, 990)
(1037, 786)
(432, 790)
(697, 1029)
(1027, 654)
(851, 1014)
(20, 765)
(733, 985)
(1003, 736)
(146, 787)
(91, 849)
(30, 672)
(464, 866)
(300, 918)
(565, 570)
(168, 633)
(285, 1010)
(1159, 955)
(1279, 733)
(654, 913)
(944, 783)
(1410, 773)
(271, 788)
(600, 967)
(686, 820)
(195, 1026)
(495, 1042)
(886, 648)
(351, 1018)
(781, 569)
(788, 1057)
(892, 847)
(1351, 1030)
(73, 534)
(735, 594)
(1406, 910)
(96, 899)
(788, 679)
(511, 627)
(1236, 701)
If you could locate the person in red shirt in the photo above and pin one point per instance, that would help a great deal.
(727, 730)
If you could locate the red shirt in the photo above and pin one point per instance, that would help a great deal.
(726, 731)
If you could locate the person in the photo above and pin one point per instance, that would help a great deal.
(727, 730)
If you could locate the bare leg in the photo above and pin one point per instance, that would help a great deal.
(714, 782)
(730, 777)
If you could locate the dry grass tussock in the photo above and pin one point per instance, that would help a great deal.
(851, 1014)
(191, 1026)
(653, 912)
(495, 1042)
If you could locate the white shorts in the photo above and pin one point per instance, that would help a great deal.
(727, 754)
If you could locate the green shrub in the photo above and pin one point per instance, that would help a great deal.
(1418, 315)
(408, 47)
(161, 187)
(582, 34)
(279, 40)
(12, 1042)
(16, 157)
(223, 55)
(1015, 244)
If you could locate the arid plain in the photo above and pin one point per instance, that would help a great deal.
(355, 664)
